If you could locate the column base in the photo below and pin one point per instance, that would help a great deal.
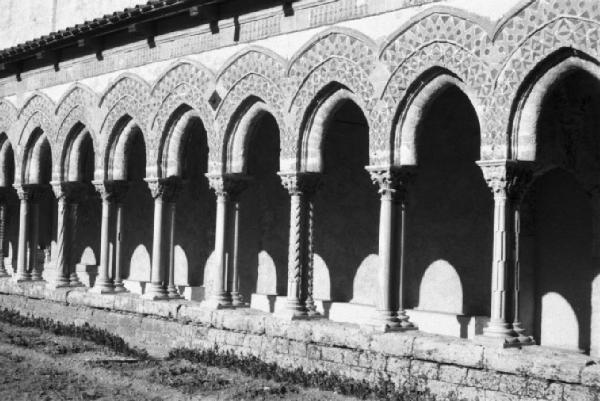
(172, 292)
(155, 292)
(215, 304)
(4, 274)
(60, 283)
(120, 287)
(390, 321)
(237, 300)
(103, 287)
(22, 278)
(74, 280)
(504, 342)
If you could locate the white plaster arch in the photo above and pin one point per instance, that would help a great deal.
(414, 107)
(310, 158)
(6, 157)
(528, 106)
(37, 151)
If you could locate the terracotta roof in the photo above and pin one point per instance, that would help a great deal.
(108, 23)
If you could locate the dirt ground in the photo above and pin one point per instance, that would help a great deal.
(36, 365)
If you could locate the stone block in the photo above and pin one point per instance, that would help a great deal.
(491, 395)
(506, 360)
(579, 393)
(298, 348)
(398, 365)
(350, 357)
(423, 369)
(332, 354)
(470, 393)
(340, 334)
(372, 360)
(512, 384)
(441, 390)
(590, 376)
(482, 379)
(395, 344)
(194, 313)
(188, 293)
(444, 349)
(282, 346)
(452, 374)
(314, 352)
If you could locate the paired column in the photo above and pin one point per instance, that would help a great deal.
(227, 187)
(164, 191)
(508, 181)
(3, 272)
(67, 195)
(302, 188)
(25, 193)
(392, 183)
(109, 191)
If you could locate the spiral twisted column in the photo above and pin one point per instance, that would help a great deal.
(25, 193)
(163, 191)
(508, 181)
(393, 186)
(227, 187)
(3, 271)
(61, 192)
(302, 188)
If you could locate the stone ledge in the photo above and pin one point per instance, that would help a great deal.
(447, 359)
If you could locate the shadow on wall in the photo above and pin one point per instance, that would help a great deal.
(564, 267)
(346, 212)
(449, 219)
(264, 216)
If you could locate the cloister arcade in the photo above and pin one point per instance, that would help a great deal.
(416, 182)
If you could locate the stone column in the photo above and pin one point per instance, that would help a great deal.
(226, 187)
(234, 241)
(107, 191)
(301, 187)
(119, 199)
(3, 272)
(62, 225)
(24, 193)
(392, 183)
(163, 191)
(508, 181)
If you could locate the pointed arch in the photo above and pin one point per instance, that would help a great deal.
(528, 103)
(115, 156)
(8, 118)
(418, 97)
(7, 161)
(37, 159)
(37, 111)
(171, 150)
(331, 98)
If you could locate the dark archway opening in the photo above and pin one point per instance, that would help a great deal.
(449, 221)
(264, 215)
(138, 204)
(346, 220)
(195, 216)
(560, 258)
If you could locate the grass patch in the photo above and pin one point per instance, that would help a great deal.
(84, 332)
(326, 381)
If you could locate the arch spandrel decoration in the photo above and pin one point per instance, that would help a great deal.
(251, 74)
(8, 117)
(563, 32)
(37, 112)
(436, 39)
(78, 105)
(184, 83)
(337, 56)
(127, 96)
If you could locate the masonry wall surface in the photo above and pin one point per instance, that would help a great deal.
(444, 367)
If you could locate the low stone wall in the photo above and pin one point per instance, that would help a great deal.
(446, 367)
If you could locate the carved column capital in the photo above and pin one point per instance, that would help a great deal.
(301, 183)
(25, 192)
(72, 192)
(111, 190)
(229, 185)
(165, 189)
(392, 181)
(507, 178)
